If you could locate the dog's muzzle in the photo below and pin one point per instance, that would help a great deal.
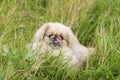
(56, 41)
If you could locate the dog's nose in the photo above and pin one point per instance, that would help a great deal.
(57, 40)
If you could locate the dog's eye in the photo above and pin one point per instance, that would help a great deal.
(50, 35)
(61, 37)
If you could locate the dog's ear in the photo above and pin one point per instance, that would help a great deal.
(39, 35)
(72, 39)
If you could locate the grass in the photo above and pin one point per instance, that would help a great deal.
(95, 22)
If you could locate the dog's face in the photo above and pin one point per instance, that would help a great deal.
(55, 35)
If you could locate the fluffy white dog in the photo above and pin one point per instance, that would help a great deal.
(61, 38)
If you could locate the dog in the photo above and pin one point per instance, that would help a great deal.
(56, 36)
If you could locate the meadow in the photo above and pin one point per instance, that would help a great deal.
(96, 23)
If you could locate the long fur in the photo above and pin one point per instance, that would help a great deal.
(78, 53)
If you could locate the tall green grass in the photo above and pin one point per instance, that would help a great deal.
(95, 22)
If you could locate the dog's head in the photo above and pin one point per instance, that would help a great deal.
(55, 35)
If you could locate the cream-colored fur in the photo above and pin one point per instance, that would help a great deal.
(70, 46)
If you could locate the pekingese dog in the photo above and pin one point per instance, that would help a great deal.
(61, 38)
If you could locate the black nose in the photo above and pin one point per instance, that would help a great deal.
(54, 39)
